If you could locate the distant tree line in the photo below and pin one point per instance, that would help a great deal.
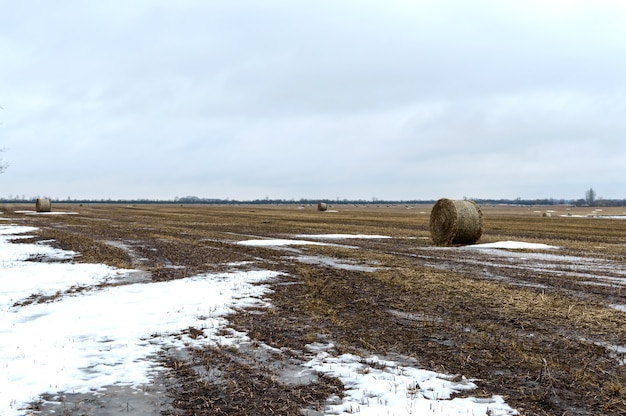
(589, 200)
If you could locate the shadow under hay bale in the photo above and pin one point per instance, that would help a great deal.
(322, 206)
(43, 205)
(455, 222)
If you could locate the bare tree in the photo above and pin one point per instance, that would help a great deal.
(590, 196)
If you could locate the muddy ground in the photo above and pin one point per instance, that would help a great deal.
(545, 329)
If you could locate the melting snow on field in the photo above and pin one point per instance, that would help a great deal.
(341, 236)
(29, 212)
(380, 387)
(82, 341)
(513, 245)
(62, 331)
(269, 242)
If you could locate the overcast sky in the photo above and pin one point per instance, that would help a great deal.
(394, 99)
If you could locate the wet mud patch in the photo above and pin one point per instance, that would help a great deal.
(246, 380)
(113, 400)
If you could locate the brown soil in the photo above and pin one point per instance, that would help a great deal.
(535, 327)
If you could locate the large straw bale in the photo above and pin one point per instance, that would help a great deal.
(455, 222)
(322, 206)
(43, 205)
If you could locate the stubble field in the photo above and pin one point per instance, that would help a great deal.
(544, 328)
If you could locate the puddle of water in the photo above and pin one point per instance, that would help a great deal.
(278, 242)
(118, 244)
(414, 316)
(602, 272)
(239, 263)
(290, 370)
(617, 352)
(137, 259)
(111, 401)
(334, 263)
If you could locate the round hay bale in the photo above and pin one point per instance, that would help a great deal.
(546, 214)
(322, 206)
(455, 222)
(43, 205)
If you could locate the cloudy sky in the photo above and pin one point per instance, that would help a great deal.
(243, 99)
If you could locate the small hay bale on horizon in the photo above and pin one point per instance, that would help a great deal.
(455, 222)
(322, 206)
(43, 205)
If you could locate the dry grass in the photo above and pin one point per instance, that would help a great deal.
(541, 338)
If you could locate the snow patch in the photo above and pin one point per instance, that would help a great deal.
(513, 245)
(340, 236)
(380, 387)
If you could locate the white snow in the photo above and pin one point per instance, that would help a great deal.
(288, 242)
(513, 245)
(596, 215)
(84, 341)
(341, 236)
(29, 212)
(12, 230)
(81, 341)
(380, 387)
(619, 307)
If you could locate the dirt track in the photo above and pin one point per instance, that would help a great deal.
(541, 328)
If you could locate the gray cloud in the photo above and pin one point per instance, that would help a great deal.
(244, 99)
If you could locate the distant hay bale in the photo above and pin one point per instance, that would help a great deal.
(455, 222)
(43, 205)
(546, 214)
(322, 206)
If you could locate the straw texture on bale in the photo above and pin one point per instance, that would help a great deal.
(43, 205)
(455, 222)
(322, 206)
